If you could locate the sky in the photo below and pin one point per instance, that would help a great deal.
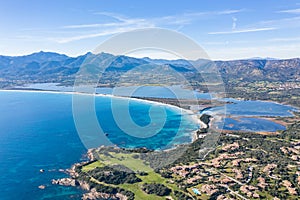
(225, 29)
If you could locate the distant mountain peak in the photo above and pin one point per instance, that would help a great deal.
(261, 58)
(43, 56)
(50, 66)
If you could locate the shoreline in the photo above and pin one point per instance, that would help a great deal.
(98, 95)
(191, 114)
(194, 116)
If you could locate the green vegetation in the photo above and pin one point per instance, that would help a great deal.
(156, 188)
(128, 159)
(120, 169)
(251, 165)
(181, 195)
(242, 164)
(92, 166)
(111, 176)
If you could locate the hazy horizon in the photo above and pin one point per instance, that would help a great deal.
(153, 56)
(228, 30)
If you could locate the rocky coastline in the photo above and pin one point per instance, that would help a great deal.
(91, 193)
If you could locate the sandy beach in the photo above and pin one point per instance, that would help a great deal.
(194, 116)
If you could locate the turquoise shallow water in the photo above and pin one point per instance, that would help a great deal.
(37, 131)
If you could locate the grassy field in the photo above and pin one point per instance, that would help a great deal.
(127, 160)
(92, 166)
(134, 163)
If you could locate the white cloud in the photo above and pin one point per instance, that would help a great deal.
(293, 39)
(227, 12)
(182, 19)
(213, 13)
(234, 20)
(284, 20)
(86, 36)
(266, 25)
(94, 35)
(242, 31)
(273, 50)
(120, 23)
(292, 11)
(78, 26)
(112, 15)
(291, 22)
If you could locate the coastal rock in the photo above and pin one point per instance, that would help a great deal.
(65, 182)
(72, 170)
(84, 185)
(62, 170)
(91, 155)
(42, 187)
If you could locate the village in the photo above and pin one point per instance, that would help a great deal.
(231, 173)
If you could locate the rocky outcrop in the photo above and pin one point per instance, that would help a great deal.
(42, 187)
(91, 155)
(84, 185)
(66, 182)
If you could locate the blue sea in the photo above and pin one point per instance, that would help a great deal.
(37, 131)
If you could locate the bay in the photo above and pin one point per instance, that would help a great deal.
(37, 131)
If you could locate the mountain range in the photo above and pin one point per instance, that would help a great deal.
(44, 67)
